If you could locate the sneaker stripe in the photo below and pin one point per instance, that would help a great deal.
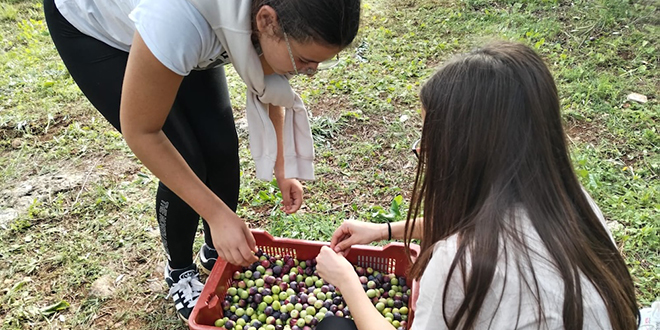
(185, 289)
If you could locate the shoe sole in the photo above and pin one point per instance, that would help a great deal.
(200, 266)
(183, 319)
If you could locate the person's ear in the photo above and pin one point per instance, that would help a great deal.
(267, 21)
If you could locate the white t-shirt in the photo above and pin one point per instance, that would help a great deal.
(175, 32)
(518, 304)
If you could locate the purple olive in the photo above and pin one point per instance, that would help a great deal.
(226, 305)
(268, 311)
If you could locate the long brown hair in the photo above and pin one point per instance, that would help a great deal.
(492, 143)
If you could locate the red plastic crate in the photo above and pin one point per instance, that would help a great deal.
(388, 259)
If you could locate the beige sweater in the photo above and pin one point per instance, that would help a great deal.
(231, 22)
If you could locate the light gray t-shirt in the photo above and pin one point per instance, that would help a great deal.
(175, 32)
(518, 306)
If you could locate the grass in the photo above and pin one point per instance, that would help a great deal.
(84, 202)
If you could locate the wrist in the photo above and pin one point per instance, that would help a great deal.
(218, 214)
(350, 279)
(279, 172)
(350, 286)
(384, 231)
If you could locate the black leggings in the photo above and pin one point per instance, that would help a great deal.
(200, 125)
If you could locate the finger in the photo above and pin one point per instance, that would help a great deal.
(246, 256)
(286, 197)
(345, 244)
(233, 257)
(339, 235)
(296, 202)
(223, 255)
(297, 195)
(252, 243)
(325, 250)
(337, 239)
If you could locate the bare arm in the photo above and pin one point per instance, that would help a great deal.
(399, 228)
(353, 232)
(276, 115)
(338, 271)
(365, 315)
(147, 96)
(292, 191)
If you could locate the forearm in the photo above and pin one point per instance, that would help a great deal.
(276, 115)
(399, 228)
(159, 155)
(365, 315)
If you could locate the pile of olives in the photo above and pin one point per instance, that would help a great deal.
(284, 293)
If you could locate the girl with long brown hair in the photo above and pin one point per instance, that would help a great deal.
(509, 238)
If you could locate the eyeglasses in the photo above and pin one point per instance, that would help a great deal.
(415, 148)
(309, 71)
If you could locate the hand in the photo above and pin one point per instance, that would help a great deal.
(353, 232)
(334, 268)
(292, 194)
(233, 240)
